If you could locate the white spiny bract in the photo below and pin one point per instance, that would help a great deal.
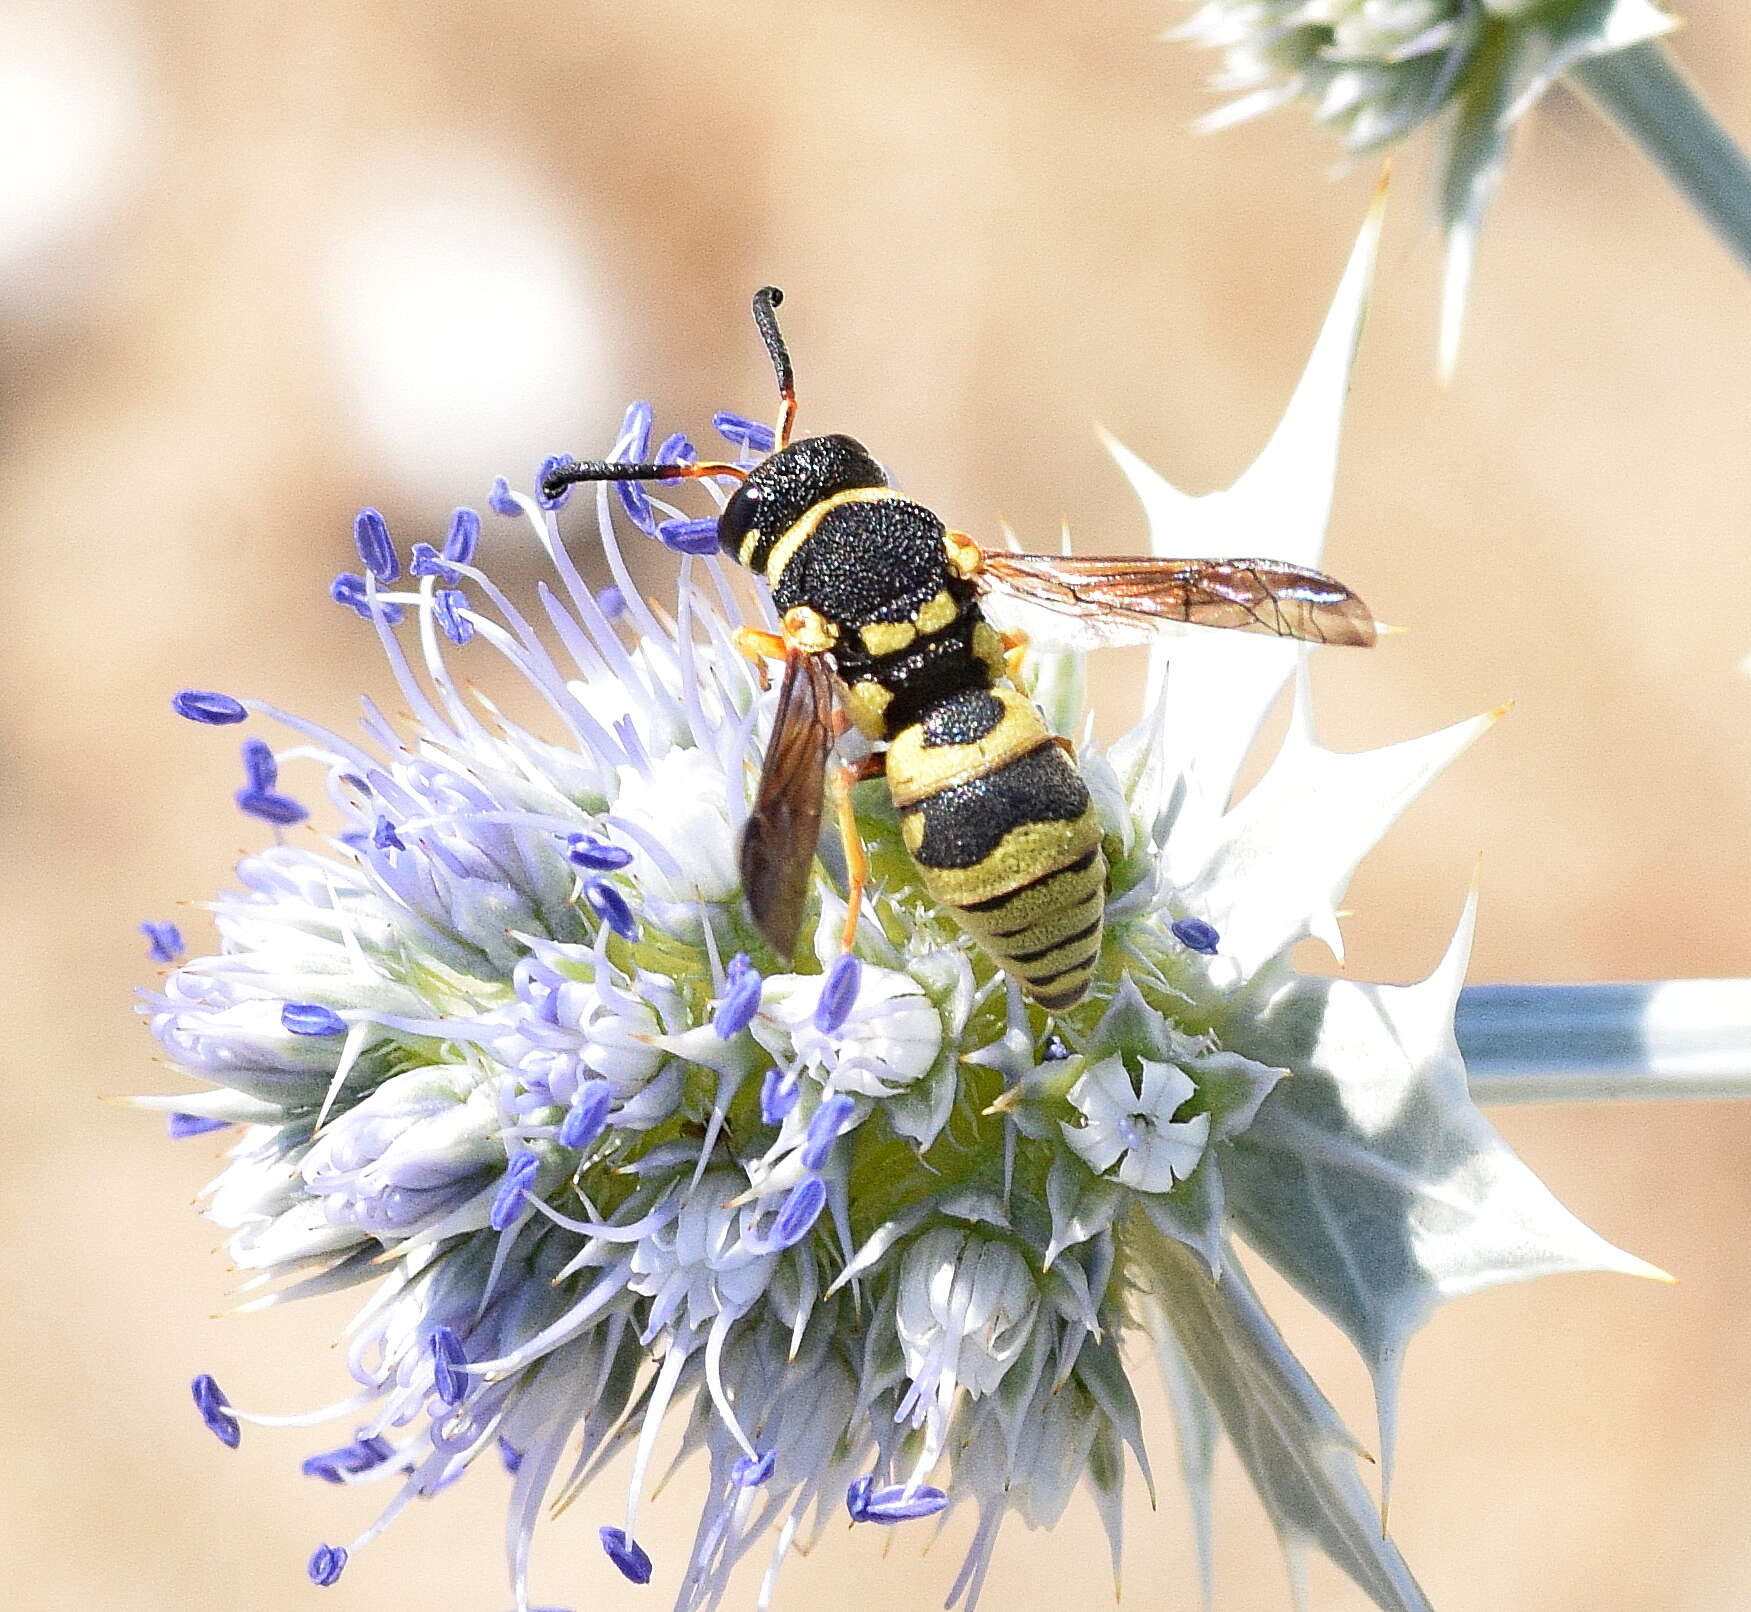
(507, 1047)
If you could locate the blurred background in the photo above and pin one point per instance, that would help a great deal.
(260, 264)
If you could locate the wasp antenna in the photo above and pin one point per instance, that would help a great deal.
(766, 301)
(569, 472)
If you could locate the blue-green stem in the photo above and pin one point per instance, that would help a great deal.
(1586, 1043)
(1651, 101)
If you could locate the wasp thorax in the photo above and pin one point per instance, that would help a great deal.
(782, 488)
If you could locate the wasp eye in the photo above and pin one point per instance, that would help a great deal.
(739, 517)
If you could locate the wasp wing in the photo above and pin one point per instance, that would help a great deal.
(778, 843)
(1092, 602)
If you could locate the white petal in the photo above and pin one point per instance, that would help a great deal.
(1169, 1153)
(1165, 1087)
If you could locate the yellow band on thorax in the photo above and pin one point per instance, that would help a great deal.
(804, 529)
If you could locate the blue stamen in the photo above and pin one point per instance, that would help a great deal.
(500, 501)
(1056, 1050)
(750, 1471)
(464, 534)
(554, 461)
(510, 1455)
(384, 837)
(270, 807)
(637, 504)
(447, 611)
(310, 1018)
(216, 1411)
(327, 1562)
(741, 998)
(163, 941)
(897, 1502)
(778, 1095)
(371, 538)
(508, 1203)
(260, 768)
(426, 561)
(745, 433)
(635, 432)
(179, 1127)
(1196, 935)
(586, 851)
(349, 589)
(839, 993)
(857, 1498)
(627, 1554)
(689, 537)
(802, 1208)
(825, 1124)
(208, 706)
(676, 450)
(449, 1362)
(611, 602)
(349, 1461)
(587, 1115)
(610, 906)
(635, 429)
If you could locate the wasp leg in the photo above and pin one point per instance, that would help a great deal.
(1014, 652)
(856, 859)
(759, 647)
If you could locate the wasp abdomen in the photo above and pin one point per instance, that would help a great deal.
(1002, 828)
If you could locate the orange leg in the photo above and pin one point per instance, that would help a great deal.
(1014, 652)
(856, 859)
(759, 647)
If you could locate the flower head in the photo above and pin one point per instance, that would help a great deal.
(1375, 70)
(509, 1047)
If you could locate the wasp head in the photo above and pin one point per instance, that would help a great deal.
(785, 486)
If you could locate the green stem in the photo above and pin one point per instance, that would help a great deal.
(1647, 95)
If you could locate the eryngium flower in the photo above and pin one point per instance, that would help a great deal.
(507, 1047)
(1374, 70)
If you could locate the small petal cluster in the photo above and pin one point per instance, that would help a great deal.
(506, 1049)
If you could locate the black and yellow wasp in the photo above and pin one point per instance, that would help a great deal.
(880, 610)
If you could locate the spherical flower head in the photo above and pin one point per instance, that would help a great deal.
(506, 1045)
(1374, 71)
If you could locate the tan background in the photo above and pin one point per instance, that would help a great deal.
(261, 264)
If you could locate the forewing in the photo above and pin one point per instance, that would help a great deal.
(778, 843)
(1092, 602)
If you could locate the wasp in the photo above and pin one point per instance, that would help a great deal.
(883, 628)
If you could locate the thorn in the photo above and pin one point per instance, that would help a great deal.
(1385, 629)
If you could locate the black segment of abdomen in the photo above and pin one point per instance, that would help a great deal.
(965, 823)
(963, 717)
